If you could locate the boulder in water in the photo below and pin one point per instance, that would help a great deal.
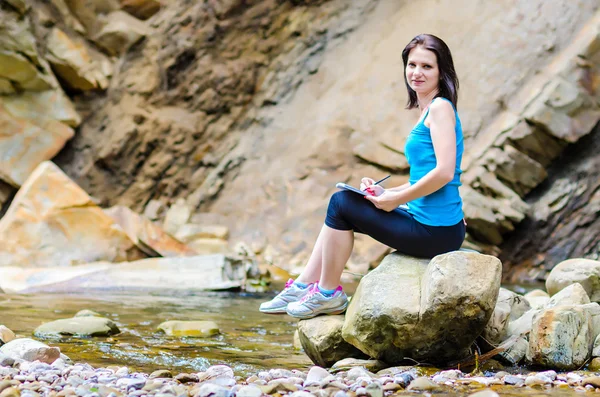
(30, 350)
(321, 338)
(189, 328)
(78, 326)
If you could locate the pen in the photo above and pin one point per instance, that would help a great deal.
(381, 180)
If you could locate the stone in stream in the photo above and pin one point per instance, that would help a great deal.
(6, 361)
(321, 338)
(78, 326)
(573, 294)
(6, 335)
(30, 350)
(10, 392)
(87, 313)
(161, 373)
(189, 328)
(561, 337)
(219, 375)
(577, 270)
(594, 366)
(349, 363)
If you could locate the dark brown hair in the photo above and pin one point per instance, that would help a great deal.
(448, 84)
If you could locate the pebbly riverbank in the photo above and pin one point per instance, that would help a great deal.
(36, 379)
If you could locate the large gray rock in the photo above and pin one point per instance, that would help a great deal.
(518, 303)
(509, 307)
(583, 271)
(321, 339)
(496, 329)
(425, 310)
(561, 338)
(573, 294)
(30, 350)
(522, 325)
(78, 326)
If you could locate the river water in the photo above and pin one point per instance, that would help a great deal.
(249, 340)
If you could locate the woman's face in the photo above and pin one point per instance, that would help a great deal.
(422, 71)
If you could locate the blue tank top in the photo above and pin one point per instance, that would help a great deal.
(444, 206)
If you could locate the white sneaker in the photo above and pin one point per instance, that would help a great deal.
(315, 303)
(291, 293)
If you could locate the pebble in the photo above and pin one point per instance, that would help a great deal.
(161, 373)
(422, 384)
(62, 379)
(315, 375)
(484, 393)
(187, 378)
(403, 379)
(514, 380)
(249, 391)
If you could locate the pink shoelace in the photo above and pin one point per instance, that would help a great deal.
(314, 289)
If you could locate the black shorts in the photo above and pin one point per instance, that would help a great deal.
(396, 229)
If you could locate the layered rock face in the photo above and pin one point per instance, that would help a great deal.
(564, 219)
(202, 124)
(252, 110)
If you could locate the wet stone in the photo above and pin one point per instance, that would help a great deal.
(316, 374)
(5, 384)
(374, 390)
(595, 365)
(6, 361)
(404, 379)
(484, 393)
(391, 387)
(303, 393)
(592, 380)
(87, 313)
(357, 372)
(249, 391)
(279, 386)
(10, 392)
(187, 378)
(6, 335)
(161, 373)
(135, 383)
(210, 389)
(422, 383)
(514, 380)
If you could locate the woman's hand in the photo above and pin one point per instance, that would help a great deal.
(369, 186)
(366, 182)
(385, 201)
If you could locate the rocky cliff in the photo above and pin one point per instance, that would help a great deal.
(252, 110)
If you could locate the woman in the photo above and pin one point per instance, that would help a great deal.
(433, 223)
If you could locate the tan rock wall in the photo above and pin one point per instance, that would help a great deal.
(252, 111)
(53, 222)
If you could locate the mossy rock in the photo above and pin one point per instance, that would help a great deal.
(189, 328)
(78, 326)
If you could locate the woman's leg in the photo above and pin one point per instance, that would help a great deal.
(333, 248)
(312, 271)
(337, 247)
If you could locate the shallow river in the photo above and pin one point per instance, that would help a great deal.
(249, 341)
